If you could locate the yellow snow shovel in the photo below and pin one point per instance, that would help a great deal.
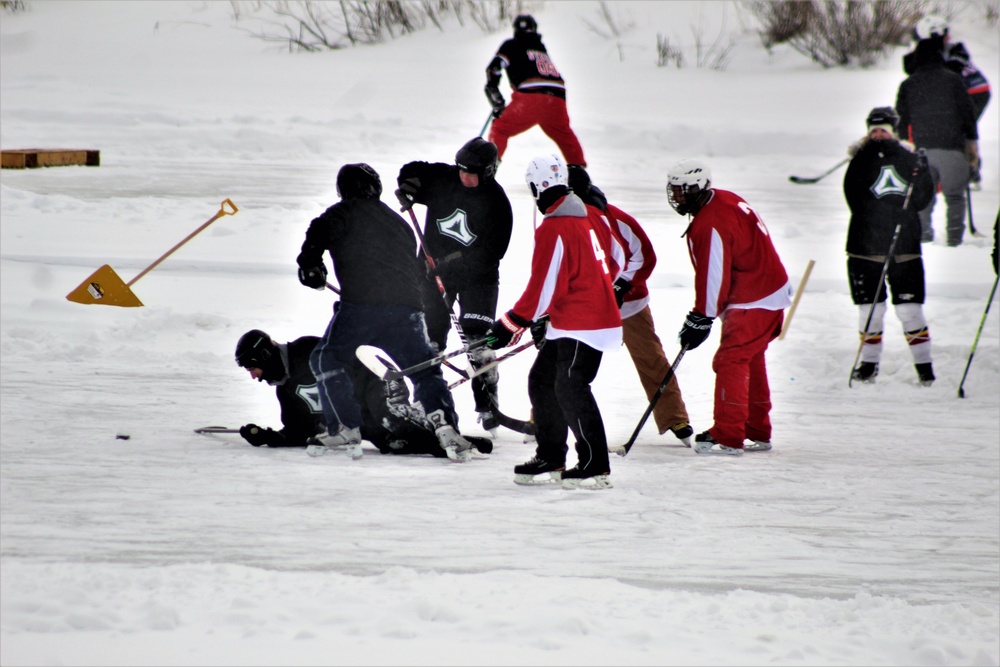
(106, 288)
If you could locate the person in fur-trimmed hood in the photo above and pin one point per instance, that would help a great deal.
(885, 186)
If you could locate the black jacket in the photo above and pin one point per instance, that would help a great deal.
(875, 187)
(935, 110)
(467, 230)
(373, 249)
(529, 68)
(301, 412)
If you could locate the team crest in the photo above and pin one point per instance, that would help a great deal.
(457, 227)
(888, 183)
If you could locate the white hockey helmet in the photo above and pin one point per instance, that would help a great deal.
(931, 26)
(544, 172)
(686, 181)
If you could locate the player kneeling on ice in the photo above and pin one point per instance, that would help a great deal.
(374, 255)
(739, 277)
(388, 420)
(570, 282)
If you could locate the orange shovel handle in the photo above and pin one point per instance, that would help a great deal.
(222, 212)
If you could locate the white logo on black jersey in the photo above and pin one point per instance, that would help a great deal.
(888, 183)
(310, 394)
(457, 227)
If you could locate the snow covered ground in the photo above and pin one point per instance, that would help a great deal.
(870, 535)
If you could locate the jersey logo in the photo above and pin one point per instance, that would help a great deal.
(456, 226)
(309, 393)
(543, 64)
(888, 183)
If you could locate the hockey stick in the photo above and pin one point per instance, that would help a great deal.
(489, 119)
(385, 369)
(881, 280)
(975, 343)
(216, 429)
(795, 301)
(488, 367)
(806, 180)
(652, 402)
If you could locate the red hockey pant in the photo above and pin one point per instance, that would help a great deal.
(548, 112)
(742, 394)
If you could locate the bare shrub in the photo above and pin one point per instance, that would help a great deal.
(611, 27)
(311, 25)
(837, 32)
(667, 53)
(13, 6)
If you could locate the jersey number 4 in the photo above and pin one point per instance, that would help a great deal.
(598, 251)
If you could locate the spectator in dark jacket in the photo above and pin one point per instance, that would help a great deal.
(883, 173)
(935, 113)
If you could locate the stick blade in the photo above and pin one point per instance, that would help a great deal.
(377, 362)
(802, 180)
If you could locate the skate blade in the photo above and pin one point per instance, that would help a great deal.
(542, 479)
(596, 483)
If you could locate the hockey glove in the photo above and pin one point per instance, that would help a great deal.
(314, 277)
(506, 331)
(258, 436)
(696, 329)
(538, 329)
(496, 100)
(407, 192)
(921, 161)
(622, 287)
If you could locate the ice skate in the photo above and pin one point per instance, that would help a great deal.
(538, 472)
(704, 443)
(346, 439)
(577, 478)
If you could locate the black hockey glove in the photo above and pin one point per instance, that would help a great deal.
(258, 436)
(314, 277)
(538, 329)
(622, 287)
(496, 100)
(407, 192)
(696, 329)
(506, 331)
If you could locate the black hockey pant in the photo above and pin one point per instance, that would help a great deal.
(559, 389)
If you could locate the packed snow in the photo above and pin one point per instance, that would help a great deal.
(870, 535)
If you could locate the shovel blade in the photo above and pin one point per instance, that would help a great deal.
(104, 287)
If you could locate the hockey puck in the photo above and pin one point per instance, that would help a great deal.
(123, 436)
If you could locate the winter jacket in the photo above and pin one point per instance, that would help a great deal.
(934, 107)
(735, 263)
(640, 263)
(373, 249)
(467, 230)
(529, 68)
(298, 397)
(875, 187)
(569, 281)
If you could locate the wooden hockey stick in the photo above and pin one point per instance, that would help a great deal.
(795, 299)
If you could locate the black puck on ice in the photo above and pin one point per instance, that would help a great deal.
(123, 436)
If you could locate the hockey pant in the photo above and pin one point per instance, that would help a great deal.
(527, 110)
(477, 307)
(562, 401)
(906, 283)
(950, 170)
(742, 393)
(639, 335)
(401, 332)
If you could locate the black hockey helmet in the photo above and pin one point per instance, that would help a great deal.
(358, 181)
(255, 349)
(525, 23)
(479, 157)
(884, 116)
